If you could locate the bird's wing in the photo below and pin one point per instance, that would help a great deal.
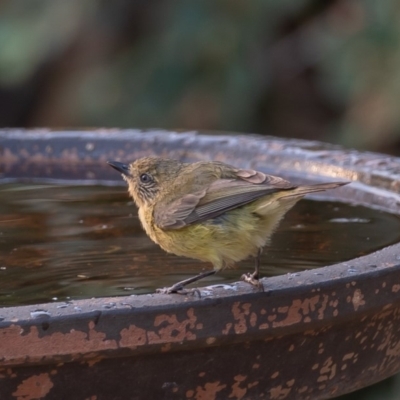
(220, 196)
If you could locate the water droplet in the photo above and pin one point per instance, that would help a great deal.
(40, 314)
(89, 146)
(109, 305)
(298, 226)
(350, 220)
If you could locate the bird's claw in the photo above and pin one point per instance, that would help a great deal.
(253, 280)
(177, 289)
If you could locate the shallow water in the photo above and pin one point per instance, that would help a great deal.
(73, 242)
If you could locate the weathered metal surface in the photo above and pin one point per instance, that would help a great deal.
(310, 335)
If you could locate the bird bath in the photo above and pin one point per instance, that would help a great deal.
(314, 334)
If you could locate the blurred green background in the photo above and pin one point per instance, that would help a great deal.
(325, 70)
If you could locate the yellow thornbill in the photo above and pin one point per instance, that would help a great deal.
(209, 210)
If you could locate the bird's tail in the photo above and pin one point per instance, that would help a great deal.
(319, 187)
(283, 200)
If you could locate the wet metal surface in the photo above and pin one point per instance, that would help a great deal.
(311, 335)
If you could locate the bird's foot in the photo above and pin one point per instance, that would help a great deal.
(253, 280)
(178, 289)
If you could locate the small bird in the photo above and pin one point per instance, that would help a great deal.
(209, 210)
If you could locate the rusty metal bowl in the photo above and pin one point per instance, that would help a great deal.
(314, 336)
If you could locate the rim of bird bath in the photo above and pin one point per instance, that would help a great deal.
(312, 335)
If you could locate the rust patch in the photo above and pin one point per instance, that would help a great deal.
(334, 389)
(279, 392)
(16, 345)
(208, 392)
(328, 370)
(228, 327)
(91, 359)
(133, 337)
(166, 347)
(363, 339)
(322, 309)
(384, 308)
(211, 340)
(395, 288)
(334, 303)
(302, 389)
(240, 312)
(253, 319)
(238, 392)
(34, 388)
(294, 316)
(358, 299)
(174, 331)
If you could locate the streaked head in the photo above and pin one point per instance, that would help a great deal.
(146, 176)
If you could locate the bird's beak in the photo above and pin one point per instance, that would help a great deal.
(120, 167)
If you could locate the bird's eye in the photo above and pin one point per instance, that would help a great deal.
(145, 178)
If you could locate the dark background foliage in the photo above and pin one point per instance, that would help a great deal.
(308, 69)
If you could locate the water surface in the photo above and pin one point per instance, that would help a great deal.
(74, 242)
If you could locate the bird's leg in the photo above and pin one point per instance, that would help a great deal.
(179, 286)
(253, 278)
